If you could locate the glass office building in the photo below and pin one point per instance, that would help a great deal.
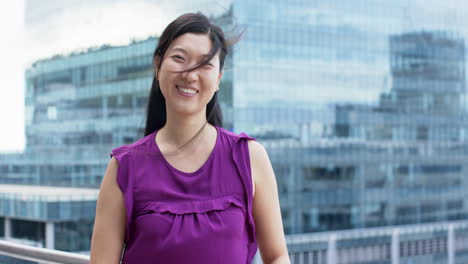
(360, 104)
(364, 118)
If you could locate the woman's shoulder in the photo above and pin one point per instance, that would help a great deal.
(141, 145)
(243, 141)
(234, 136)
(246, 143)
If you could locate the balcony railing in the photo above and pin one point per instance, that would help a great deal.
(448, 241)
(41, 255)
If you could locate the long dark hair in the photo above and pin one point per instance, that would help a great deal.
(187, 23)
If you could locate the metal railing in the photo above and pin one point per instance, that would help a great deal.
(397, 243)
(42, 255)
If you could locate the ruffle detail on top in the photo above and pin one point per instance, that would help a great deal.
(190, 207)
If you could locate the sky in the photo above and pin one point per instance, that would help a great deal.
(11, 76)
(77, 24)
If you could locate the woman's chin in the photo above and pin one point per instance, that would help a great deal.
(186, 110)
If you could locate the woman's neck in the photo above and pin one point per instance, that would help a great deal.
(179, 130)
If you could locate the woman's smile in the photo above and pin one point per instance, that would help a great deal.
(186, 91)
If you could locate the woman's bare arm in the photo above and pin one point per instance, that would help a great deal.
(110, 222)
(266, 208)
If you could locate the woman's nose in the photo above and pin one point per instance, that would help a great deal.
(190, 75)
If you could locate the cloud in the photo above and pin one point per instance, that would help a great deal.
(78, 27)
(57, 27)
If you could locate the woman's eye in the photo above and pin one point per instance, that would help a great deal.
(210, 64)
(178, 57)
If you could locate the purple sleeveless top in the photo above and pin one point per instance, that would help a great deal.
(178, 217)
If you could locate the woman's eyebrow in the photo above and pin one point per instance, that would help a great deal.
(184, 51)
(179, 49)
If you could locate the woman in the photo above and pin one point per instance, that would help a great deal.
(214, 199)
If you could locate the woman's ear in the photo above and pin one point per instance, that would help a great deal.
(219, 78)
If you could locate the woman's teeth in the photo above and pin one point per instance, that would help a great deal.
(185, 90)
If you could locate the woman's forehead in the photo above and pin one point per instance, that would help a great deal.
(197, 44)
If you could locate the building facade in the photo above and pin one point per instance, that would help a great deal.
(364, 127)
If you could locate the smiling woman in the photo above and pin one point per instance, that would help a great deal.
(189, 191)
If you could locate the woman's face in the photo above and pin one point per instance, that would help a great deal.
(188, 92)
